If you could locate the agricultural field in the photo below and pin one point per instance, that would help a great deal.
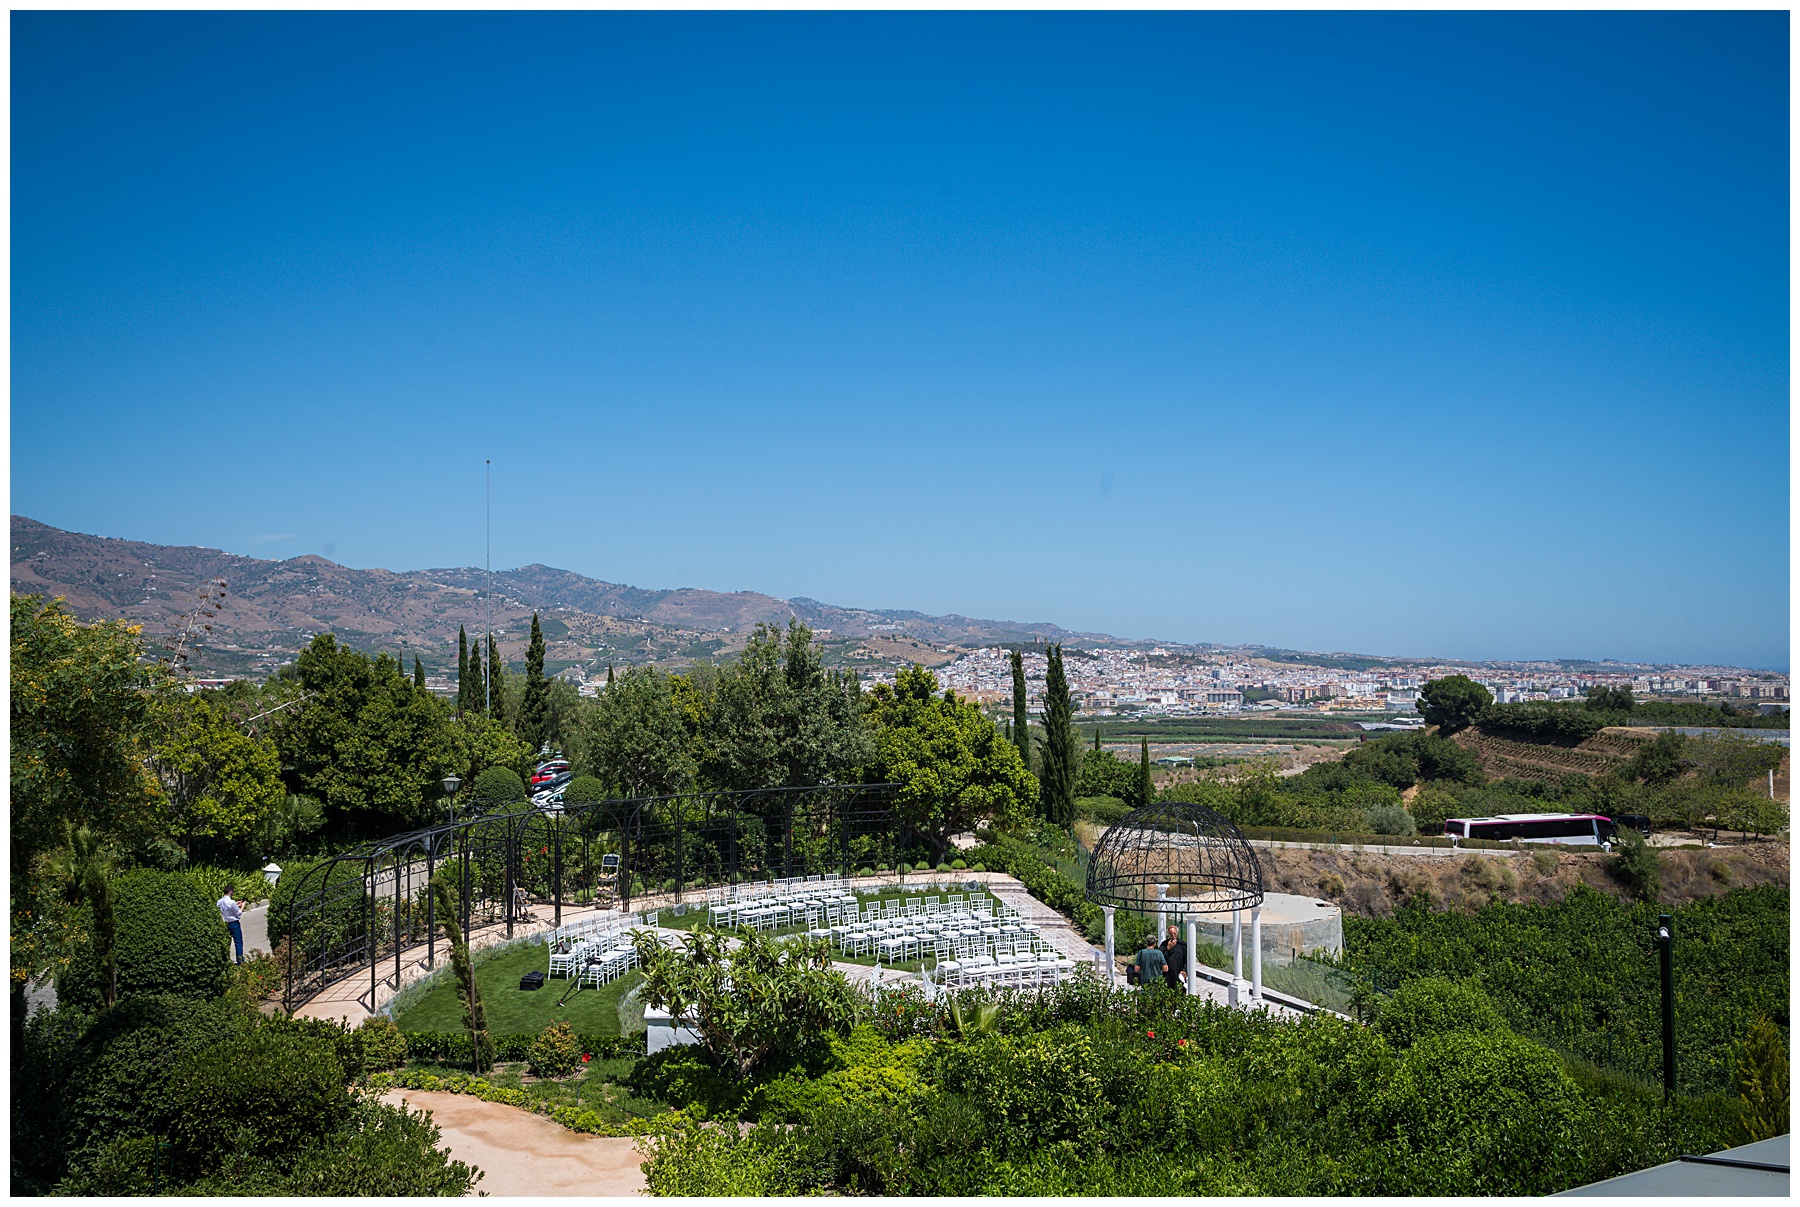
(1581, 975)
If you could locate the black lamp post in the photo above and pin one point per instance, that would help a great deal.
(1665, 942)
(451, 784)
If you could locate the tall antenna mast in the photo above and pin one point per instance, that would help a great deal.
(487, 667)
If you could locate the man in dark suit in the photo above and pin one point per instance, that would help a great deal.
(1175, 956)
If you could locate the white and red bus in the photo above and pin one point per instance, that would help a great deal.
(1562, 829)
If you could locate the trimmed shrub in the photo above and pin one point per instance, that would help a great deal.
(1435, 1006)
(1392, 819)
(906, 869)
(380, 1044)
(119, 1073)
(1103, 809)
(496, 788)
(383, 1152)
(957, 865)
(556, 1052)
(943, 867)
(265, 1094)
(585, 790)
(169, 940)
(452, 1047)
(865, 871)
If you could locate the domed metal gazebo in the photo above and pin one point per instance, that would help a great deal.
(1176, 857)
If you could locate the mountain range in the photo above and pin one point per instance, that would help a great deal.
(270, 609)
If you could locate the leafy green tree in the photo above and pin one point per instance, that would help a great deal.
(634, 736)
(752, 1004)
(1432, 806)
(1021, 729)
(536, 725)
(1103, 774)
(1061, 744)
(1660, 760)
(1731, 760)
(480, 743)
(279, 830)
(1453, 702)
(365, 741)
(218, 781)
(82, 716)
(954, 769)
(81, 720)
(1610, 699)
(777, 718)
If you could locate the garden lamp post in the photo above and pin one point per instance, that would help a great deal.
(272, 873)
(451, 784)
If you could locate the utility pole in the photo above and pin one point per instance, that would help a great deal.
(487, 668)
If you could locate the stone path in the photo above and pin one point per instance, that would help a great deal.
(521, 1154)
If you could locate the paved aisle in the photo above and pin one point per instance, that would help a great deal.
(521, 1154)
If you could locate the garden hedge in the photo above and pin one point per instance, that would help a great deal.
(264, 1094)
(452, 1047)
(495, 787)
(118, 1076)
(170, 939)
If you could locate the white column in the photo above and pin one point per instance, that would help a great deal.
(1112, 964)
(1237, 945)
(1193, 968)
(1256, 953)
(1162, 913)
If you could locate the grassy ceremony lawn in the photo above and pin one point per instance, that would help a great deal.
(514, 1011)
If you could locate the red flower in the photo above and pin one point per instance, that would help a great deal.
(1151, 1034)
(1181, 1043)
(586, 1056)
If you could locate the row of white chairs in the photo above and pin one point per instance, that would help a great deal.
(1023, 961)
(899, 938)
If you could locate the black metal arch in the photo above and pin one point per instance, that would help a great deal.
(364, 906)
(1196, 855)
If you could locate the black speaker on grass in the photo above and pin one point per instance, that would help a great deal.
(532, 980)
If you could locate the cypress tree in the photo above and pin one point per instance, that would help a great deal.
(497, 678)
(462, 669)
(1021, 732)
(1061, 744)
(609, 675)
(535, 720)
(477, 702)
(1146, 791)
(418, 673)
(1096, 739)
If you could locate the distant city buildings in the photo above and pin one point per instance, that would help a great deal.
(1161, 682)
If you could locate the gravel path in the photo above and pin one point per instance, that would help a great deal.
(521, 1154)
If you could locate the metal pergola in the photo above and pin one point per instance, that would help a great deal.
(369, 906)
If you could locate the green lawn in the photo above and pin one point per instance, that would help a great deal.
(514, 1011)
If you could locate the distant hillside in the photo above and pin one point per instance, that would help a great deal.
(273, 608)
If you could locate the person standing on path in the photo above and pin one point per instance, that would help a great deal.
(1150, 962)
(233, 913)
(1175, 954)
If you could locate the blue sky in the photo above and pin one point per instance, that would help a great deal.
(1458, 335)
